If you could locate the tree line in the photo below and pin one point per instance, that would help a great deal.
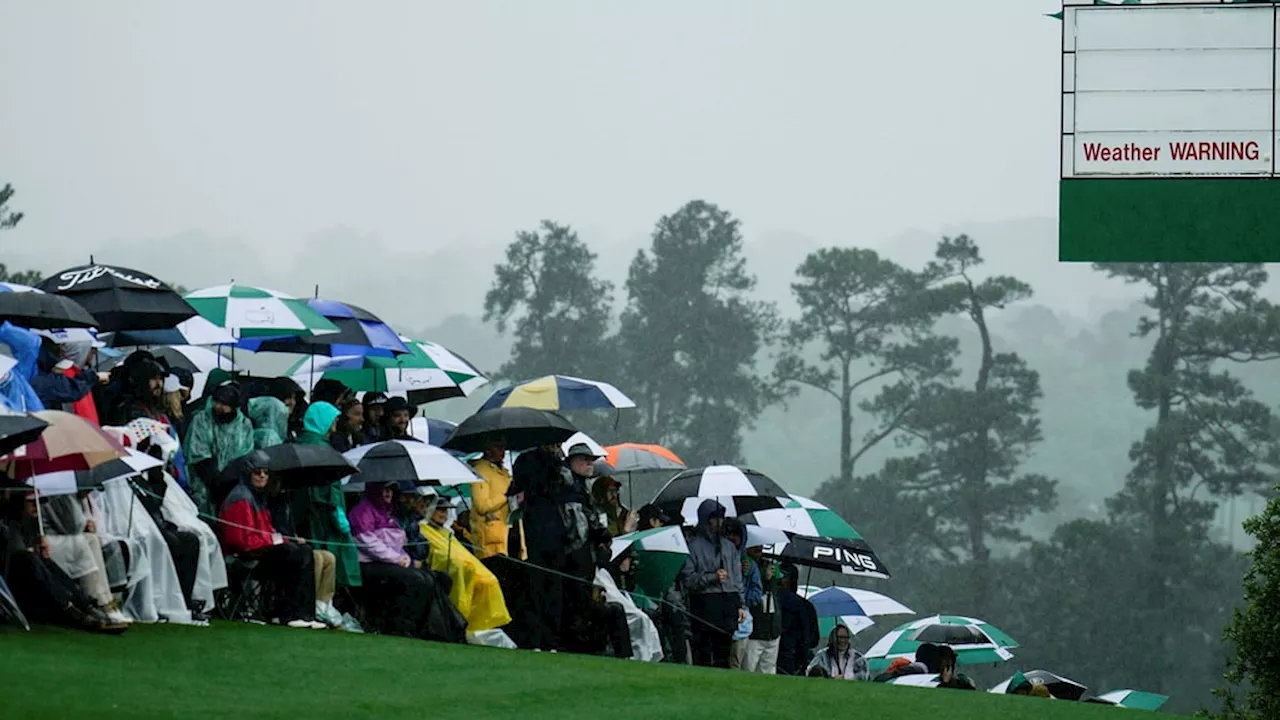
(1138, 599)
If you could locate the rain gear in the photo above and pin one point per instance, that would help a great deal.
(374, 527)
(15, 385)
(646, 645)
(210, 447)
(270, 419)
(489, 498)
(849, 665)
(475, 592)
(54, 387)
(709, 553)
(245, 519)
(615, 518)
(320, 512)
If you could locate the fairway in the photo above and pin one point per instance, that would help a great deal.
(238, 670)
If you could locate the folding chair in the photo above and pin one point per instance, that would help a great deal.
(242, 598)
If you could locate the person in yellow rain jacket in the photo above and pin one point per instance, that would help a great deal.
(489, 508)
(475, 592)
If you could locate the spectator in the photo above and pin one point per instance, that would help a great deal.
(219, 433)
(396, 419)
(324, 562)
(618, 518)
(350, 430)
(474, 589)
(63, 379)
(766, 615)
(489, 501)
(799, 625)
(839, 659)
(270, 419)
(375, 403)
(320, 513)
(947, 675)
(752, 592)
(396, 591)
(713, 577)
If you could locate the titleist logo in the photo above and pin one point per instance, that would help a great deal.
(73, 278)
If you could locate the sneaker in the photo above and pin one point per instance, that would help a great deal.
(117, 617)
(299, 624)
(317, 625)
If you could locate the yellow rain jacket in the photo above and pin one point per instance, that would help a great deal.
(476, 593)
(489, 497)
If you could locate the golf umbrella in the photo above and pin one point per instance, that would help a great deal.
(9, 605)
(67, 482)
(559, 392)
(121, 298)
(818, 537)
(719, 481)
(297, 466)
(658, 554)
(400, 461)
(520, 428)
(426, 373)
(68, 443)
(1059, 687)
(188, 357)
(248, 311)
(37, 310)
(18, 430)
(852, 607)
(974, 641)
(195, 331)
(1135, 699)
(734, 506)
(634, 457)
(360, 332)
(929, 680)
(433, 430)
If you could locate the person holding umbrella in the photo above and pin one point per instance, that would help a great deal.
(713, 577)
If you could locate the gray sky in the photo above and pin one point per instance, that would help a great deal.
(352, 144)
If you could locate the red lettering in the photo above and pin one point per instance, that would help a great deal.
(1251, 150)
(1215, 151)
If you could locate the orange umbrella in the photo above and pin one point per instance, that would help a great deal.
(637, 457)
(69, 443)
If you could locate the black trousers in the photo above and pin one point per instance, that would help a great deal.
(560, 590)
(395, 598)
(600, 623)
(675, 631)
(715, 619)
(185, 548)
(288, 571)
(513, 577)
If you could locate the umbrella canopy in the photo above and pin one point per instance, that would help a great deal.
(18, 430)
(635, 457)
(718, 481)
(848, 557)
(121, 298)
(426, 373)
(68, 482)
(520, 428)
(975, 641)
(434, 430)
(188, 357)
(834, 601)
(37, 310)
(1135, 699)
(298, 466)
(395, 461)
(916, 680)
(360, 332)
(9, 605)
(734, 506)
(248, 311)
(195, 331)
(659, 554)
(1059, 687)
(68, 443)
(803, 516)
(559, 392)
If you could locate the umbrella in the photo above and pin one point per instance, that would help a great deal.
(433, 431)
(248, 311)
(520, 428)
(734, 506)
(18, 430)
(848, 557)
(659, 555)
(192, 358)
(974, 641)
(38, 310)
(360, 332)
(394, 461)
(68, 482)
(718, 481)
(1059, 687)
(803, 516)
(121, 298)
(9, 604)
(195, 331)
(559, 392)
(634, 457)
(915, 680)
(426, 373)
(68, 443)
(852, 607)
(1135, 699)
(298, 466)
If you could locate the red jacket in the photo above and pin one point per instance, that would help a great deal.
(245, 525)
(84, 407)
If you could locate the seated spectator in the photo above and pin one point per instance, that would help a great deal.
(617, 578)
(396, 418)
(410, 512)
(396, 594)
(475, 591)
(461, 528)
(270, 419)
(839, 659)
(277, 499)
(350, 430)
(74, 546)
(947, 675)
(248, 534)
(374, 405)
(320, 512)
(63, 378)
(218, 434)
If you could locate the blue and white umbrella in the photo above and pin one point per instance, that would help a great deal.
(360, 332)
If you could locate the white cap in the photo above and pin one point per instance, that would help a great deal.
(172, 383)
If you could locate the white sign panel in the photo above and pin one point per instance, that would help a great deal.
(1168, 91)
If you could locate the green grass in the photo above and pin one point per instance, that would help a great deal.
(239, 670)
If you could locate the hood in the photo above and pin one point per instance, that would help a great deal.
(373, 493)
(47, 358)
(707, 510)
(268, 412)
(76, 351)
(319, 417)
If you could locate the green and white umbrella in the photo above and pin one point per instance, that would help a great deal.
(249, 311)
(1135, 699)
(428, 372)
(916, 680)
(803, 516)
(975, 641)
(659, 555)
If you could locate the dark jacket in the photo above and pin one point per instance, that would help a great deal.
(766, 615)
(55, 389)
(799, 632)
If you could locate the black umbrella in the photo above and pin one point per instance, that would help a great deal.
(1059, 687)
(42, 311)
(848, 557)
(121, 298)
(18, 430)
(520, 427)
(297, 466)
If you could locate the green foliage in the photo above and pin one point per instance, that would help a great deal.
(1254, 631)
(874, 335)
(8, 218)
(546, 292)
(691, 335)
(21, 277)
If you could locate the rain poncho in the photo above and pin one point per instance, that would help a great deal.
(211, 574)
(374, 527)
(475, 592)
(849, 665)
(646, 645)
(270, 419)
(319, 514)
(15, 385)
(208, 439)
(77, 553)
(489, 498)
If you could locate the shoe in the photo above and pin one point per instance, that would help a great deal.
(317, 625)
(118, 617)
(299, 624)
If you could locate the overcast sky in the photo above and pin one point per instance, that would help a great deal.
(377, 147)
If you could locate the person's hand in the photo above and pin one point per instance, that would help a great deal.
(768, 571)
(90, 526)
(632, 521)
(722, 575)
(46, 551)
(742, 614)
(104, 378)
(417, 564)
(404, 561)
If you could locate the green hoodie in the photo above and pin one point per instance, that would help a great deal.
(321, 512)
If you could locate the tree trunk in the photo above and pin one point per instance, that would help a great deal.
(846, 427)
(976, 480)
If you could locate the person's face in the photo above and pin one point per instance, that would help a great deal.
(611, 495)
(156, 386)
(373, 414)
(754, 553)
(291, 402)
(355, 416)
(494, 452)
(387, 494)
(400, 421)
(30, 507)
(439, 515)
(259, 477)
(842, 639)
(947, 671)
(716, 524)
(581, 465)
(222, 409)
